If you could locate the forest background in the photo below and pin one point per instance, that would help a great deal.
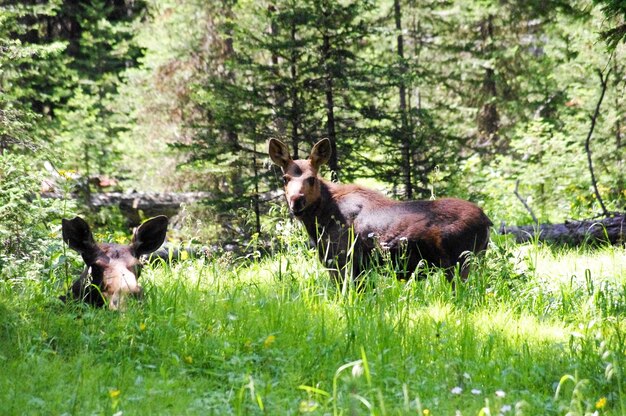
(420, 99)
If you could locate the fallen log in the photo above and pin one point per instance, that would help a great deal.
(150, 203)
(147, 200)
(573, 233)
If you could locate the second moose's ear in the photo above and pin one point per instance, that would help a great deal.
(279, 153)
(320, 154)
(150, 235)
(77, 235)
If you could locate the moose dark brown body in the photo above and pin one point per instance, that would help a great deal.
(350, 220)
(111, 270)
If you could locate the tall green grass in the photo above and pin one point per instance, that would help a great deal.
(534, 330)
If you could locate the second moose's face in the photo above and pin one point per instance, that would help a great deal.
(112, 270)
(302, 185)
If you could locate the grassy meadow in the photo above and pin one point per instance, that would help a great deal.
(533, 331)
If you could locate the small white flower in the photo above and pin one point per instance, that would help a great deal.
(357, 370)
(476, 391)
(456, 390)
(505, 408)
(465, 375)
(500, 393)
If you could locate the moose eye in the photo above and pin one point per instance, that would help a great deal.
(310, 181)
(285, 180)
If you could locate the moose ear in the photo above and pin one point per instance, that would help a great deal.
(279, 153)
(77, 235)
(150, 235)
(320, 154)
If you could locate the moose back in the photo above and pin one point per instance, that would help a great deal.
(349, 224)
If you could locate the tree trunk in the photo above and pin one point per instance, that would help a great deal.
(232, 137)
(330, 109)
(594, 182)
(295, 104)
(488, 117)
(257, 208)
(404, 133)
(277, 89)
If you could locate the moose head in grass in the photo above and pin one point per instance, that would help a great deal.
(111, 270)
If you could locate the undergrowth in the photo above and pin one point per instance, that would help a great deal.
(534, 330)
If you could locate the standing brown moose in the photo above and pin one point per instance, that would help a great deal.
(111, 270)
(350, 220)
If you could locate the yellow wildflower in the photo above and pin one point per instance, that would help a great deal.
(601, 403)
(114, 393)
(67, 174)
(184, 255)
(188, 359)
(308, 406)
(426, 412)
(269, 341)
(142, 326)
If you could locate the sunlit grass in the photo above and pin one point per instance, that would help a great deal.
(560, 265)
(274, 335)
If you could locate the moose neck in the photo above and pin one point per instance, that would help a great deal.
(323, 213)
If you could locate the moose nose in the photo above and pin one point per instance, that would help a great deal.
(297, 203)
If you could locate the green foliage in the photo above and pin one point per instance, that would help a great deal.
(60, 69)
(533, 331)
(87, 134)
(491, 97)
(18, 120)
(29, 231)
(495, 93)
(615, 12)
(546, 152)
